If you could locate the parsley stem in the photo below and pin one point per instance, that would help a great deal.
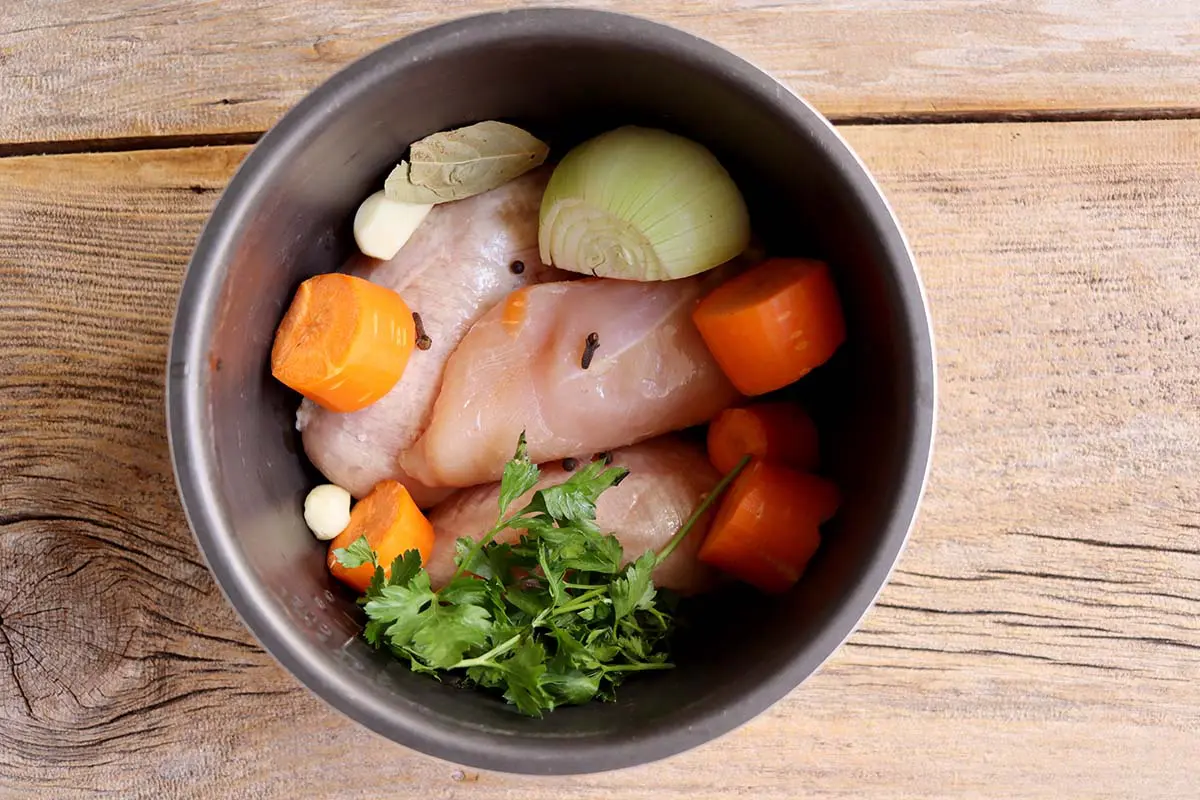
(700, 509)
(635, 667)
(487, 658)
(585, 600)
(575, 606)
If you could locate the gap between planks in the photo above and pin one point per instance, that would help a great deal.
(997, 117)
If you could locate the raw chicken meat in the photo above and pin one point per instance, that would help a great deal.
(520, 369)
(457, 265)
(668, 478)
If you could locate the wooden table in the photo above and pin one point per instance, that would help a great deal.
(1041, 637)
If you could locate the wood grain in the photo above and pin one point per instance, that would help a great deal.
(81, 70)
(1040, 638)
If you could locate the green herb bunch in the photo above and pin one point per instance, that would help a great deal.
(552, 620)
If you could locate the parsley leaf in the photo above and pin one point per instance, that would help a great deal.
(501, 562)
(571, 686)
(401, 609)
(404, 568)
(489, 676)
(355, 554)
(575, 548)
(634, 589)
(520, 475)
(466, 590)
(374, 631)
(574, 499)
(531, 601)
(449, 632)
(470, 558)
(571, 652)
(377, 583)
(523, 673)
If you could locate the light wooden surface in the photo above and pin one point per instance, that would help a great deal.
(82, 70)
(1041, 637)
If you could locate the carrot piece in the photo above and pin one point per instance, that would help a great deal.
(773, 324)
(512, 315)
(344, 341)
(393, 525)
(766, 528)
(779, 432)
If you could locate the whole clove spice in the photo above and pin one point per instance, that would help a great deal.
(423, 340)
(569, 464)
(589, 349)
(517, 267)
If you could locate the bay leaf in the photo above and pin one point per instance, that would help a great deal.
(452, 165)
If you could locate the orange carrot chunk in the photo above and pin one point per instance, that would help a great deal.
(344, 342)
(778, 432)
(393, 525)
(766, 528)
(512, 315)
(773, 324)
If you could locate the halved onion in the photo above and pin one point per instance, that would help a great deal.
(641, 204)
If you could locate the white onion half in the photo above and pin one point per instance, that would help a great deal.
(641, 204)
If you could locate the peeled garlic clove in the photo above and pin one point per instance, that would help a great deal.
(641, 204)
(327, 511)
(382, 226)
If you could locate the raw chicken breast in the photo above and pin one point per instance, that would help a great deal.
(456, 266)
(519, 368)
(668, 478)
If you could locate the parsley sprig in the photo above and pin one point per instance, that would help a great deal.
(554, 619)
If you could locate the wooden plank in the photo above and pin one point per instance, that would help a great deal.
(1039, 638)
(73, 70)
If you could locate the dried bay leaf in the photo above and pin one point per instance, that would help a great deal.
(467, 161)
